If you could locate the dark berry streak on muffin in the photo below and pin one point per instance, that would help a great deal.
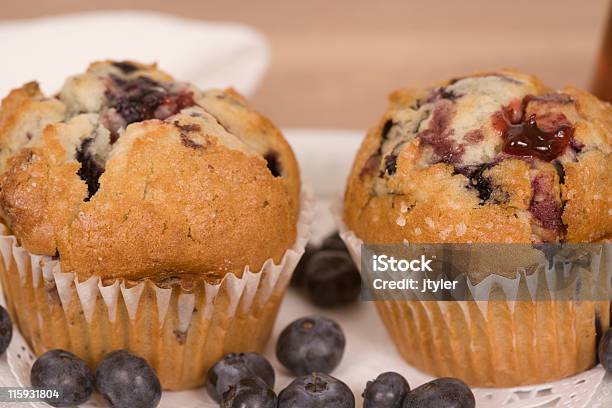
(143, 98)
(90, 170)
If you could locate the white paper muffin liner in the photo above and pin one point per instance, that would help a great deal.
(496, 343)
(180, 327)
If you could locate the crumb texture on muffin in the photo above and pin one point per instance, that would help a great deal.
(492, 157)
(129, 173)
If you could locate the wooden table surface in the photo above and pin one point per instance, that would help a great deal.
(334, 62)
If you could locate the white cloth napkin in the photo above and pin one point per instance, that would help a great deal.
(207, 54)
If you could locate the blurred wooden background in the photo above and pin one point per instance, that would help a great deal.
(334, 62)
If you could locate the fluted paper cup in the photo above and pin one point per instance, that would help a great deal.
(494, 338)
(181, 326)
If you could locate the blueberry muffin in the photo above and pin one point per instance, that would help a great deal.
(128, 177)
(488, 158)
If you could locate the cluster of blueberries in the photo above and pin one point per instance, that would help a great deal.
(310, 348)
(124, 379)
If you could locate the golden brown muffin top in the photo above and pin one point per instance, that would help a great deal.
(128, 173)
(493, 157)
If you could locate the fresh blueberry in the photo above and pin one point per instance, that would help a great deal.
(128, 381)
(386, 391)
(332, 279)
(259, 366)
(316, 390)
(250, 392)
(234, 367)
(6, 330)
(297, 279)
(311, 344)
(333, 241)
(441, 393)
(63, 371)
(605, 351)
